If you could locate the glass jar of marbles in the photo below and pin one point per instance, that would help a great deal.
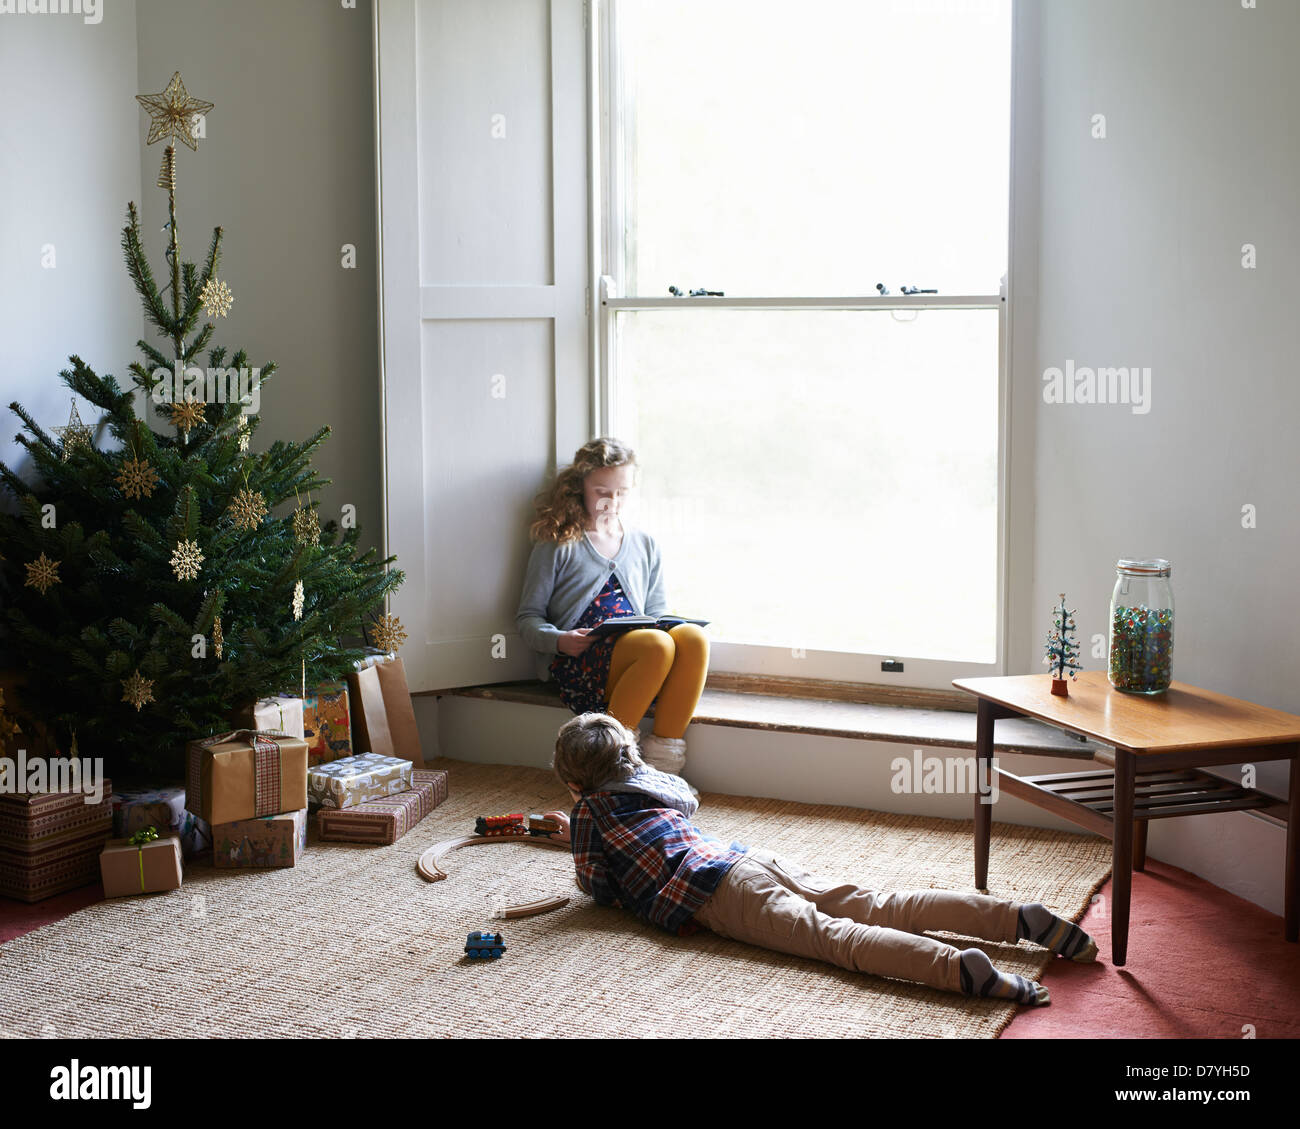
(1142, 627)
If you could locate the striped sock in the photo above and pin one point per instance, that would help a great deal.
(1039, 924)
(980, 978)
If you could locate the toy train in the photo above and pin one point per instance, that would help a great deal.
(484, 946)
(514, 825)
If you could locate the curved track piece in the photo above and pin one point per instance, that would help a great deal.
(429, 869)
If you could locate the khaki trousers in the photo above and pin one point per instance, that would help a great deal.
(766, 899)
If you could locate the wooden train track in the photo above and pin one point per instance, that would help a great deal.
(429, 868)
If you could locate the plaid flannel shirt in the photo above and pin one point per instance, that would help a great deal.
(630, 849)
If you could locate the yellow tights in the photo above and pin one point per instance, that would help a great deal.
(672, 664)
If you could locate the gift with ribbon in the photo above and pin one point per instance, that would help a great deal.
(245, 775)
(136, 806)
(146, 863)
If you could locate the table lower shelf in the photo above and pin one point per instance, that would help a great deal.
(1088, 798)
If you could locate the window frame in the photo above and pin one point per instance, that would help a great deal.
(609, 188)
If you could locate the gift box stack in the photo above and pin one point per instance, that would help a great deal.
(50, 841)
(378, 795)
(137, 808)
(251, 786)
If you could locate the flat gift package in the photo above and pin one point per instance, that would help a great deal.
(387, 819)
(327, 723)
(244, 775)
(128, 867)
(354, 780)
(135, 808)
(281, 714)
(272, 840)
(50, 841)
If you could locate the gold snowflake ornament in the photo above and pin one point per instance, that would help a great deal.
(306, 526)
(76, 435)
(217, 638)
(42, 574)
(186, 560)
(172, 112)
(187, 414)
(216, 298)
(388, 633)
(247, 509)
(138, 691)
(298, 596)
(137, 479)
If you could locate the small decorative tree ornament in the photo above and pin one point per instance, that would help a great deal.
(137, 690)
(306, 526)
(388, 633)
(218, 640)
(298, 596)
(137, 478)
(76, 435)
(215, 298)
(42, 574)
(186, 560)
(247, 509)
(1062, 649)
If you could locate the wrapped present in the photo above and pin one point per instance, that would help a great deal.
(327, 724)
(280, 715)
(50, 841)
(244, 775)
(389, 818)
(164, 808)
(272, 840)
(354, 780)
(140, 864)
(383, 717)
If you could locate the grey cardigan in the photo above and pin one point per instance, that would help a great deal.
(561, 580)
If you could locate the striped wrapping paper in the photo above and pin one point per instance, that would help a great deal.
(387, 819)
(50, 842)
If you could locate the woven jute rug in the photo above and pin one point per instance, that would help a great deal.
(353, 943)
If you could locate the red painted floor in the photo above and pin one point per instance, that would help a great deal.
(1202, 963)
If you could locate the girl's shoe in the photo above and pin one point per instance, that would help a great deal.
(667, 754)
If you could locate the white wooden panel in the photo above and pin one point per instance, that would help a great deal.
(484, 262)
(485, 142)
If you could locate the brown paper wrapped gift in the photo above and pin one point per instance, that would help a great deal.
(383, 717)
(144, 869)
(244, 775)
(272, 715)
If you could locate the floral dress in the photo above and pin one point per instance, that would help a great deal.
(582, 678)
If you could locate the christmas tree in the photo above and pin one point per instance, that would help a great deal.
(1062, 646)
(149, 588)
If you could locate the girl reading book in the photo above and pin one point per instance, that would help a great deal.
(587, 567)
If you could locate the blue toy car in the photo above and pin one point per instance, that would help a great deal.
(484, 946)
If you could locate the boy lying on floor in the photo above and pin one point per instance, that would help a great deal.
(634, 846)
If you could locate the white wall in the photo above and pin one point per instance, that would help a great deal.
(67, 137)
(1139, 263)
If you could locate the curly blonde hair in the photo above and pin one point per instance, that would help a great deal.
(561, 508)
(594, 748)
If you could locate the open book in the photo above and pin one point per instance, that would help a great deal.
(619, 624)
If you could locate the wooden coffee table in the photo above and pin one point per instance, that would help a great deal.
(1159, 743)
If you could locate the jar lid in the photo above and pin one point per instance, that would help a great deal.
(1154, 567)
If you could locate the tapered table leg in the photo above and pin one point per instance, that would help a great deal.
(1293, 852)
(984, 717)
(1121, 886)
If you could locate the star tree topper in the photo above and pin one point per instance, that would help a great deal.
(172, 112)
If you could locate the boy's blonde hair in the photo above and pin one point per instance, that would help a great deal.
(593, 749)
(561, 508)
